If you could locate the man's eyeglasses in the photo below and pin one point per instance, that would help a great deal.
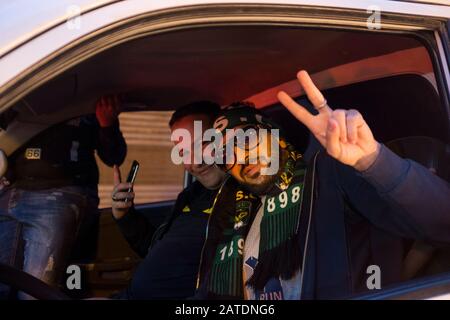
(245, 140)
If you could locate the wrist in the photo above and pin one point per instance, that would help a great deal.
(368, 160)
(119, 214)
(106, 123)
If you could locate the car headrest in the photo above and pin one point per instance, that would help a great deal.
(429, 152)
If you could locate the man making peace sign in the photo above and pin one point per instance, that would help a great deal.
(317, 229)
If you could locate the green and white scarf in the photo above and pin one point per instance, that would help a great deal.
(277, 232)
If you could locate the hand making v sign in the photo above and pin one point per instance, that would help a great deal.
(343, 133)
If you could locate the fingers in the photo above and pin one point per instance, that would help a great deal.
(117, 177)
(333, 145)
(121, 196)
(297, 110)
(341, 118)
(357, 129)
(100, 105)
(352, 126)
(345, 128)
(122, 204)
(354, 121)
(110, 102)
(122, 200)
(124, 186)
(314, 95)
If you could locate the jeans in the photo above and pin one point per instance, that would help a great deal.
(38, 229)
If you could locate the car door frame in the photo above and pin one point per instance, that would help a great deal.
(149, 23)
(435, 287)
(209, 14)
(303, 13)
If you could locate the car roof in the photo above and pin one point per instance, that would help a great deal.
(22, 20)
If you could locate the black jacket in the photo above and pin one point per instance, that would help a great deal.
(141, 234)
(64, 155)
(172, 252)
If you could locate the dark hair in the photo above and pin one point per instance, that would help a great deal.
(243, 104)
(249, 104)
(208, 108)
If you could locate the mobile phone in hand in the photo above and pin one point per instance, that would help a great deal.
(132, 175)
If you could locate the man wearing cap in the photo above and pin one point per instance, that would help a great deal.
(317, 229)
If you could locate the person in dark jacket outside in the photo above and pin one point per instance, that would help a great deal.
(319, 227)
(51, 189)
(171, 252)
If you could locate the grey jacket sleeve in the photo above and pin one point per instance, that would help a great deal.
(400, 196)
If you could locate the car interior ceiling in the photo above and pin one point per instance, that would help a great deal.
(223, 64)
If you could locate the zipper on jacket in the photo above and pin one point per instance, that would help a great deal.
(309, 223)
(207, 229)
